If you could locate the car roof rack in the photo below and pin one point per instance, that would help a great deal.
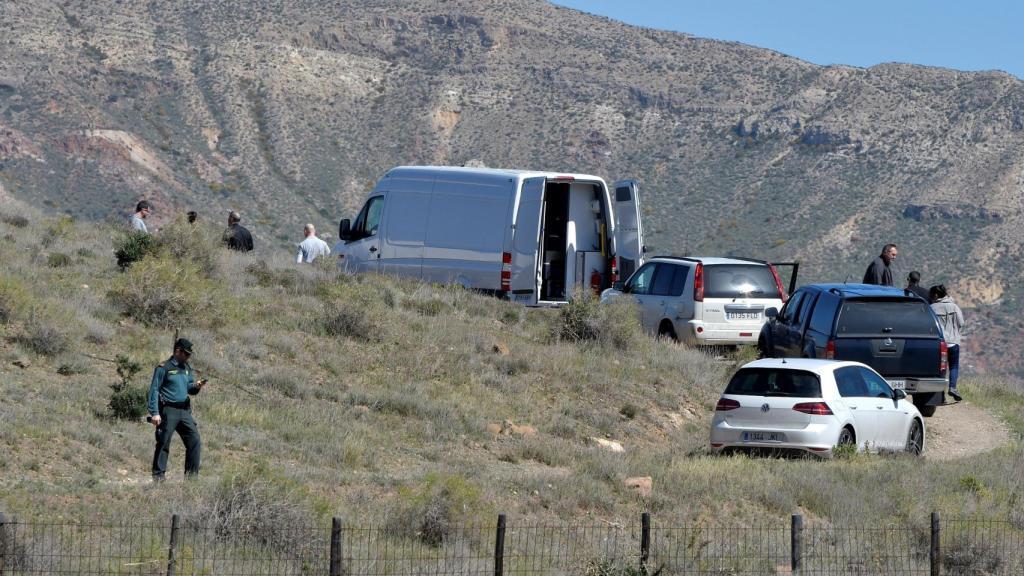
(669, 256)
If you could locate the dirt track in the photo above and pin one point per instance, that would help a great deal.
(961, 430)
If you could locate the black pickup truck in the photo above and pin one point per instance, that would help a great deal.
(889, 329)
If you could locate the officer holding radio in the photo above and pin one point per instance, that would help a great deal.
(170, 409)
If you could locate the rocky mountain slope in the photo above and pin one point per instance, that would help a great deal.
(290, 111)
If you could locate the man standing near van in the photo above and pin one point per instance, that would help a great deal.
(170, 409)
(879, 272)
(237, 237)
(312, 247)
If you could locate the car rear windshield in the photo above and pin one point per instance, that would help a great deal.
(774, 382)
(739, 280)
(908, 318)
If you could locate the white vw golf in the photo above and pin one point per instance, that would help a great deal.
(814, 406)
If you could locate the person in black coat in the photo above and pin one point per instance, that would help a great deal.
(879, 271)
(914, 285)
(237, 237)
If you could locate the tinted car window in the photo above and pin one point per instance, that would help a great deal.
(824, 313)
(663, 279)
(876, 385)
(640, 282)
(850, 382)
(801, 311)
(679, 280)
(886, 317)
(774, 382)
(736, 280)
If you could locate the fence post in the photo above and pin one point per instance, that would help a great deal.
(645, 541)
(3, 542)
(499, 547)
(174, 544)
(336, 546)
(796, 535)
(935, 556)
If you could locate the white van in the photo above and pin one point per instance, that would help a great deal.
(528, 236)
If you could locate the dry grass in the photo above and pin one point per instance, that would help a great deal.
(372, 396)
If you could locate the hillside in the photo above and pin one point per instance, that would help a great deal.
(394, 403)
(290, 111)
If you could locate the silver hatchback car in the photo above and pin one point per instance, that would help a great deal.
(705, 300)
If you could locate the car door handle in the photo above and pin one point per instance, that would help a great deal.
(373, 248)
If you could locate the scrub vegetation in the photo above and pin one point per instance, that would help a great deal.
(413, 407)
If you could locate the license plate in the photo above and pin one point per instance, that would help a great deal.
(897, 384)
(764, 437)
(742, 315)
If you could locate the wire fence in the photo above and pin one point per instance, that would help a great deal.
(180, 546)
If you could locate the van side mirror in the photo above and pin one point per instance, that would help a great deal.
(899, 394)
(771, 313)
(344, 230)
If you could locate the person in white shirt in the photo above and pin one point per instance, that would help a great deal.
(138, 220)
(311, 247)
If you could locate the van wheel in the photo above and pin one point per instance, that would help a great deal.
(915, 438)
(667, 331)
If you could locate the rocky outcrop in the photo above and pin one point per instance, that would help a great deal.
(923, 213)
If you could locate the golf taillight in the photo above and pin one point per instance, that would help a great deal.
(830, 350)
(698, 283)
(725, 404)
(778, 283)
(813, 408)
(943, 357)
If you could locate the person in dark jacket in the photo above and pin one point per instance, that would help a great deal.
(237, 237)
(879, 271)
(914, 285)
(170, 409)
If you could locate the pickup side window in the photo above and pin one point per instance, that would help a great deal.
(800, 312)
(850, 382)
(789, 310)
(824, 313)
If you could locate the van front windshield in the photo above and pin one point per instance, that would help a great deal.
(739, 281)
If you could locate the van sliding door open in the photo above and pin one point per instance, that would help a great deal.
(629, 234)
(525, 280)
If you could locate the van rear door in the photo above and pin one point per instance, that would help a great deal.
(629, 233)
(526, 242)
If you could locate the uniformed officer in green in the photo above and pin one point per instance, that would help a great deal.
(170, 409)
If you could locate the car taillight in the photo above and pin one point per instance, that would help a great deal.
(778, 283)
(725, 404)
(506, 271)
(698, 283)
(830, 350)
(813, 408)
(595, 281)
(615, 269)
(943, 357)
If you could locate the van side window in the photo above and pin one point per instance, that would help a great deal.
(368, 221)
(663, 279)
(824, 313)
(640, 282)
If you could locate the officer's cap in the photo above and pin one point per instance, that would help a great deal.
(184, 344)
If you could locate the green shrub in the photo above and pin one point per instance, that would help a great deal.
(57, 229)
(615, 323)
(426, 307)
(15, 220)
(133, 247)
(348, 320)
(163, 292)
(127, 402)
(46, 334)
(15, 299)
(430, 510)
(629, 411)
(190, 243)
(58, 260)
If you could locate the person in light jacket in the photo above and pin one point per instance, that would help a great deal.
(951, 320)
(312, 247)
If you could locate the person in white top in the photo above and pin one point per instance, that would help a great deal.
(138, 220)
(311, 247)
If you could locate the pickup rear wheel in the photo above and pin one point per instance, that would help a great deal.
(915, 438)
(922, 402)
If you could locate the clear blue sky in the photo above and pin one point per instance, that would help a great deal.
(959, 34)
